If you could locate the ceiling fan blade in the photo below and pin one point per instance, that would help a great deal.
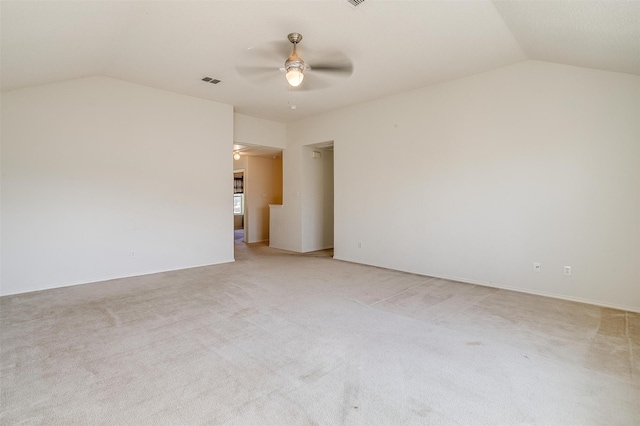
(333, 68)
(260, 75)
(251, 71)
(273, 51)
(330, 61)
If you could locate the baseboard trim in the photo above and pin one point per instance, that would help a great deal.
(116, 277)
(506, 287)
(546, 294)
(317, 249)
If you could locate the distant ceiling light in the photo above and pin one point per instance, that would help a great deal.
(236, 155)
(293, 106)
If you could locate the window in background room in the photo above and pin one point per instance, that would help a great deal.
(238, 203)
(238, 194)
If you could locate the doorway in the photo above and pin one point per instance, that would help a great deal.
(238, 205)
(257, 184)
(318, 217)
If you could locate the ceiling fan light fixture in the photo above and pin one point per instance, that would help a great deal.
(294, 76)
(294, 64)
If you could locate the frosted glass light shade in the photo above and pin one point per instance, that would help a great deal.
(294, 77)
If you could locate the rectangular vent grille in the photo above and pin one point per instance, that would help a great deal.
(211, 80)
(354, 3)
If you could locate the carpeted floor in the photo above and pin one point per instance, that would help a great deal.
(288, 339)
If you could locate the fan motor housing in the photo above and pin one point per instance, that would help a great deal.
(295, 38)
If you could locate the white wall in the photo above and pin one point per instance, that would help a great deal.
(257, 131)
(95, 168)
(286, 220)
(317, 209)
(477, 178)
(263, 186)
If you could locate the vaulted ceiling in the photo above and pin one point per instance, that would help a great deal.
(393, 46)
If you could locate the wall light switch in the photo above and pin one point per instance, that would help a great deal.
(537, 266)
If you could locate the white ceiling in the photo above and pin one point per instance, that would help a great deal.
(394, 45)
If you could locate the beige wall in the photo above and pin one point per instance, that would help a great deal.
(478, 178)
(95, 169)
(238, 221)
(263, 186)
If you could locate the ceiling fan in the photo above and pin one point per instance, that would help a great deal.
(320, 63)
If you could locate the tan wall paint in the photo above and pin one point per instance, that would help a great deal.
(263, 186)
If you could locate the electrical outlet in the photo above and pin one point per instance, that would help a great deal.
(567, 271)
(133, 253)
(359, 244)
(537, 267)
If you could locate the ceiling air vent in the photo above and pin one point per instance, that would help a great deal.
(354, 3)
(211, 80)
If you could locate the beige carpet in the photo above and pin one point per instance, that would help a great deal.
(284, 339)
